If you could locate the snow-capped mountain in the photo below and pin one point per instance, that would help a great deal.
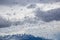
(21, 37)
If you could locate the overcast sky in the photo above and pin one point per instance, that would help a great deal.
(36, 17)
(25, 2)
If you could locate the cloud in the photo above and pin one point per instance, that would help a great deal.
(48, 16)
(41, 29)
(26, 20)
(31, 6)
(49, 1)
(20, 2)
(8, 23)
(25, 2)
(4, 23)
(16, 16)
(44, 29)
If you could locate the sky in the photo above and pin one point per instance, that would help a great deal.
(37, 17)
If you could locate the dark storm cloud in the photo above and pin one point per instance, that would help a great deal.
(48, 16)
(25, 2)
(4, 23)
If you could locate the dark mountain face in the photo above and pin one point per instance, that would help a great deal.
(21, 37)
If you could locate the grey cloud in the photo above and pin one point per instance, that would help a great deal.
(7, 23)
(4, 23)
(25, 20)
(25, 2)
(20, 2)
(49, 1)
(31, 6)
(48, 16)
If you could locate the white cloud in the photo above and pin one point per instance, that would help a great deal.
(49, 6)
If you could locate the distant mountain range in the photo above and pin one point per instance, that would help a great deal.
(21, 37)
